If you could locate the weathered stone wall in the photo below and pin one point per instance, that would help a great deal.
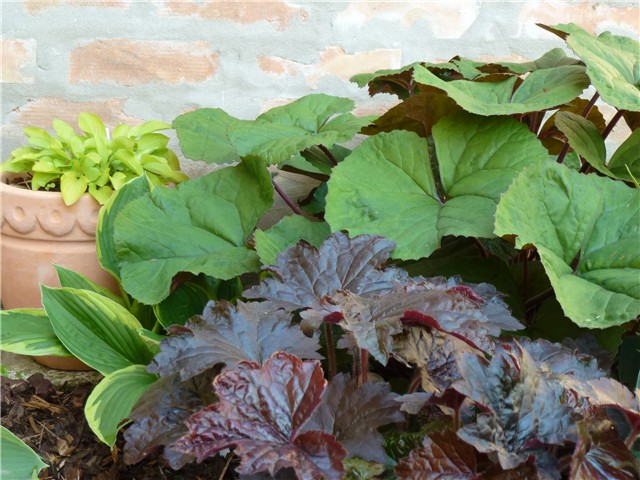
(129, 60)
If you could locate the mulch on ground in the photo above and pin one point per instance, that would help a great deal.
(51, 421)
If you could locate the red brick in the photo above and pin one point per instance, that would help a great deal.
(36, 6)
(592, 16)
(277, 12)
(131, 62)
(16, 55)
(334, 61)
(41, 112)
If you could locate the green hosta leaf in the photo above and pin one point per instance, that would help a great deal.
(64, 130)
(275, 136)
(98, 331)
(612, 63)
(71, 279)
(17, 460)
(197, 236)
(587, 221)
(100, 194)
(28, 331)
(625, 162)
(129, 160)
(39, 137)
(585, 138)
(72, 186)
(286, 233)
(540, 90)
(108, 213)
(112, 400)
(386, 186)
(90, 123)
(145, 128)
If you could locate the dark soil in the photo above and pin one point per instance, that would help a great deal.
(51, 421)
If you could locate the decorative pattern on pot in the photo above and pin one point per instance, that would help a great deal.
(39, 230)
(40, 215)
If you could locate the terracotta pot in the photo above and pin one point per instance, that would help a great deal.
(38, 230)
(63, 363)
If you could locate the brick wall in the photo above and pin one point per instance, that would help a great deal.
(129, 60)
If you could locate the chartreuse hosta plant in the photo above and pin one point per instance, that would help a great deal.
(462, 304)
(97, 161)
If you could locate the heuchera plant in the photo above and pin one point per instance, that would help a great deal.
(475, 405)
(456, 297)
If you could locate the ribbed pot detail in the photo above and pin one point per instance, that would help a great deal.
(39, 230)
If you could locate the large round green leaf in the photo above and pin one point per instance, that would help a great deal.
(586, 229)
(201, 226)
(387, 187)
(275, 136)
(612, 61)
(540, 90)
(28, 331)
(112, 400)
(98, 331)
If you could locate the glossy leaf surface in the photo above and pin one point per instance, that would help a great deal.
(229, 334)
(260, 413)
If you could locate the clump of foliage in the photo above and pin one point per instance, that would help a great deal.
(456, 296)
(474, 404)
(97, 161)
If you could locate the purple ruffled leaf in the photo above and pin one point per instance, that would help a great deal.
(523, 405)
(158, 417)
(474, 313)
(446, 306)
(306, 276)
(229, 334)
(260, 413)
(560, 359)
(353, 414)
(601, 454)
(444, 456)
(434, 353)
(372, 321)
(607, 392)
